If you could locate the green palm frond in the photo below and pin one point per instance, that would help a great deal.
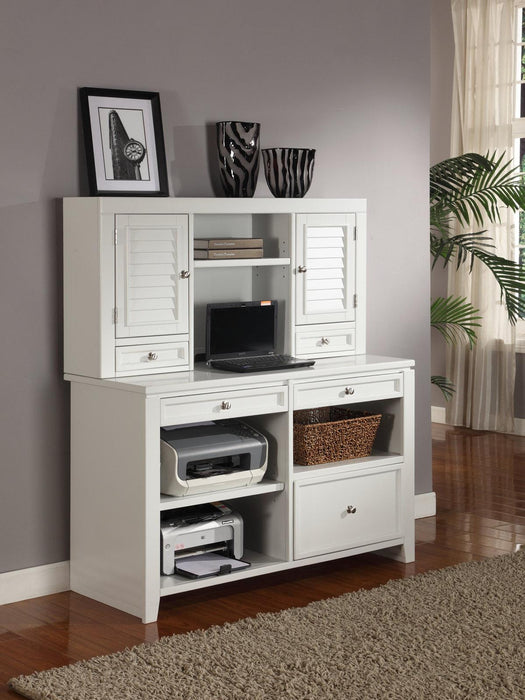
(474, 187)
(458, 247)
(509, 275)
(455, 318)
(447, 387)
(511, 279)
(449, 176)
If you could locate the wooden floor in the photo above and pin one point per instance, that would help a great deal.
(479, 479)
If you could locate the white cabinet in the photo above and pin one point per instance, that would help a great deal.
(328, 266)
(134, 317)
(296, 515)
(127, 290)
(151, 275)
(133, 293)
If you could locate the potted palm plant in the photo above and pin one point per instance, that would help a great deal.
(471, 189)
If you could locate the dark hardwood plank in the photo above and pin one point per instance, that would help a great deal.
(479, 479)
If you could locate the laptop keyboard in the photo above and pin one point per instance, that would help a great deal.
(261, 361)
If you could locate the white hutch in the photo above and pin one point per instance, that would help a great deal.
(134, 319)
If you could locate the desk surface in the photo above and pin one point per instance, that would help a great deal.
(204, 378)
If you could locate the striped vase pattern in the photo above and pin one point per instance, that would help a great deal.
(238, 152)
(289, 171)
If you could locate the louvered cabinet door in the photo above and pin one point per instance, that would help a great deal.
(151, 275)
(325, 268)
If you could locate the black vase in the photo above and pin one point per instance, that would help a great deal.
(238, 152)
(289, 171)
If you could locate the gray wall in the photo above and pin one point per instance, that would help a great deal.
(349, 77)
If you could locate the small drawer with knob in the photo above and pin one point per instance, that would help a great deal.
(345, 390)
(336, 513)
(228, 403)
(322, 341)
(148, 359)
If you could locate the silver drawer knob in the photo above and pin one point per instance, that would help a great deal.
(349, 390)
(152, 356)
(185, 274)
(325, 341)
(225, 405)
(301, 268)
(351, 509)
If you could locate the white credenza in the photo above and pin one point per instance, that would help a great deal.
(134, 318)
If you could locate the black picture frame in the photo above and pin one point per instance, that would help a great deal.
(124, 142)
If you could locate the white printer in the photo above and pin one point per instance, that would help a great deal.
(211, 456)
(197, 532)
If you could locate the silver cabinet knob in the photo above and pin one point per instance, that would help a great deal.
(185, 274)
(325, 341)
(351, 509)
(301, 268)
(152, 356)
(349, 390)
(225, 405)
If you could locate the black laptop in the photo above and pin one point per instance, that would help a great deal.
(241, 337)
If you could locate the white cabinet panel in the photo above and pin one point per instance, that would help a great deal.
(347, 389)
(226, 404)
(151, 275)
(156, 357)
(324, 341)
(344, 512)
(325, 270)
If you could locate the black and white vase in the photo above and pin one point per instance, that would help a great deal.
(238, 151)
(289, 171)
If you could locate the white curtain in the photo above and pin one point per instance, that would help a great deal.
(482, 111)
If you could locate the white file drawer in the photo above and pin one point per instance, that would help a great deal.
(152, 358)
(225, 404)
(324, 342)
(339, 513)
(333, 392)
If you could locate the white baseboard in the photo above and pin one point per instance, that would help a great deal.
(34, 582)
(438, 414)
(425, 504)
(519, 426)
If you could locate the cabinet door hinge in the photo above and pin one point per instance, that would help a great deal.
(115, 236)
(355, 301)
(115, 315)
(355, 233)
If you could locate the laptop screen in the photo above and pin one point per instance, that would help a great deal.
(240, 329)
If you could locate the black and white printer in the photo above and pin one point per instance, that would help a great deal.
(202, 540)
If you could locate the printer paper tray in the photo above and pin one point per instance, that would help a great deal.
(203, 565)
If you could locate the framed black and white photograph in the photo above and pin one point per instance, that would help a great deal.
(124, 142)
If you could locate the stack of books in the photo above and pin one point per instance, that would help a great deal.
(226, 248)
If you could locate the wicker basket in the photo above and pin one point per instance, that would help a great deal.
(332, 434)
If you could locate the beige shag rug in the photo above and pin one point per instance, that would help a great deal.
(454, 633)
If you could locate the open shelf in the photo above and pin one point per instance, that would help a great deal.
(242, 262)
(375, 460)
(260, 564)
(264, 486)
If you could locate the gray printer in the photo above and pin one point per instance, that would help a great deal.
(194, 531)
(211, 456)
